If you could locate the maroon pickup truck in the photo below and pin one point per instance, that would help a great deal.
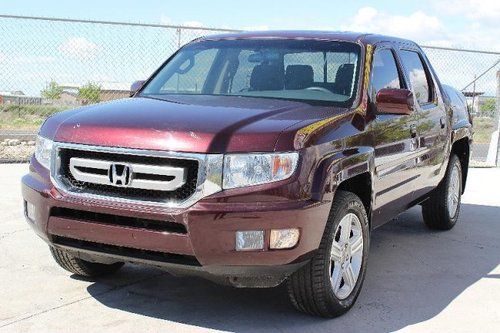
(252, 159)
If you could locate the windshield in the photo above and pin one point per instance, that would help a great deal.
(273, 68)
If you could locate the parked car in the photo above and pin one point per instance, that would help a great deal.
(253, 159)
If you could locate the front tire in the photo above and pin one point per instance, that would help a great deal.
(330, 283)
(442, 209)
(82, 267)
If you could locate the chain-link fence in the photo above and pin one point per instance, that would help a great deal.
(48, 65)
(477, 75)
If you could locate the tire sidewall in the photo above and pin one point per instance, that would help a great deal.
(352, 204)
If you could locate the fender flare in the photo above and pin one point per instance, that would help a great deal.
(339, 167)
(461, 132)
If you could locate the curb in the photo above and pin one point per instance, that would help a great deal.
(493, 148)
(19, 136)
(14, 161)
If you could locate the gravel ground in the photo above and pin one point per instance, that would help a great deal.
(16, 153)
(417, 281)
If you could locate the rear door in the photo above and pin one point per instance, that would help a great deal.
(432, 122)
(394, 139)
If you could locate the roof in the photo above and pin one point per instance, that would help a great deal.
(69, 93)
(105, 86)
(347, 36)
(12, 94)
(472, 93)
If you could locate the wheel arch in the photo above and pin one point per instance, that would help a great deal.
(361, 185)
(350, 170)
(461, 148)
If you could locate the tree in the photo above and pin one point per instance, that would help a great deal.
(90, 93)
(52, 91)
(488, 107)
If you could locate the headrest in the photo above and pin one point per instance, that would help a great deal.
(343, 79)
(298, 77)
(266, 77)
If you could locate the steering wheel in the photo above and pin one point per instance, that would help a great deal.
(319, 89)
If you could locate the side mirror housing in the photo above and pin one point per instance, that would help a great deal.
(135, 87)
(394, 101)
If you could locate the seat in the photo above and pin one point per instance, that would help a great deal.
(343, 79)
(266, 77)
(298, 77)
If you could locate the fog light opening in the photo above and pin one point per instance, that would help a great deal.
(249, 240)
(29, 210)
(284, 238)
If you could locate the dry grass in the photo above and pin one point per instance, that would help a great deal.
(483, 128)
(25, 117)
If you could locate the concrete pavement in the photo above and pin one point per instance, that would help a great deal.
(417, 280)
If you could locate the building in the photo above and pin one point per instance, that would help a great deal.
(114, 90)
(18, 98)
(68, 98)
(473, 100)
(109, 91)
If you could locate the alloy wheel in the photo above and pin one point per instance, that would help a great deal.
(454, 191)
(346, 256)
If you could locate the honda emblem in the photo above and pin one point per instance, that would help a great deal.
(120, 174)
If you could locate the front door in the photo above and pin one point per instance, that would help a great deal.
(432, 124)
(395, 142)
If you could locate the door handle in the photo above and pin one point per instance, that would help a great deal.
(442, 122)
(413, 130)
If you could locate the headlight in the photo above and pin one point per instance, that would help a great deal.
(254, 169)
(43, 151)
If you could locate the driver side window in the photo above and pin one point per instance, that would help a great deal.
(384, 72)
(193, 73)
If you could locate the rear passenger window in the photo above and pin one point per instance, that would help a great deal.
(385, 72)
(419, 79)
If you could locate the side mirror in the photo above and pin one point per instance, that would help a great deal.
(135, 87)
(394, 101)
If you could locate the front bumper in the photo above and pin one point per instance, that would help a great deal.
(207, 247)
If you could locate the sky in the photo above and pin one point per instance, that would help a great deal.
(35, 52)
(460, 23)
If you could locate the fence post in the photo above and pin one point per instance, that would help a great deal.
(179, 36)
(179, 33)
(497, 109)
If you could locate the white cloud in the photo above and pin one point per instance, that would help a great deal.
(79, 48)
(480, 20)
(482, 11)
(472, 29)
(475, 29)
(417, 26)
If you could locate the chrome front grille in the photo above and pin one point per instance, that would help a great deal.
(131, 175)
(125, 174)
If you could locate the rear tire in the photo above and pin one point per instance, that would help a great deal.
(330, 283)
(442, 209)
(82, 267)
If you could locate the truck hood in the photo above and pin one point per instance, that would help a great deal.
(204, 124)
